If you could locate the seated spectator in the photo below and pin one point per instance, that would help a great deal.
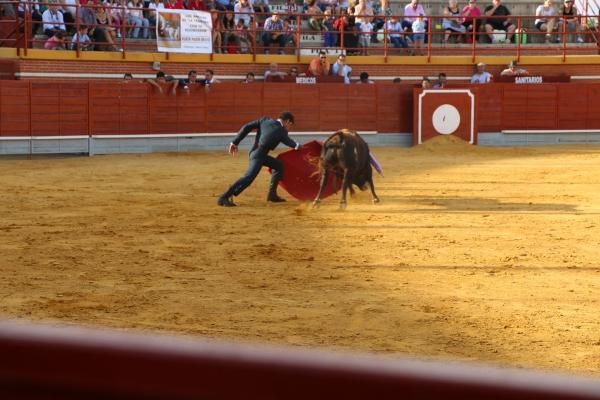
(220, 5)
(366, 29)
(246, 40)
(319, 66)
(197, 5)
(34, 10)
(499, 21)
(114, 11)
(82, 39)
(451, 22)
(289, 32)
(104, 22)
(411, 13)
(441, 82)
(347, 24)
(380, 10)
(135, 16)
(243, 10)
(363, 18)
(69, 11)
(249, 78)
(273, 32)
(97, 33)
(425, 83)
(340, 68)
(328, 4)
(174, 5)
(330, 36)
(481, 75)
(217, 29)
(396, 33)
(229, 35)
(364, 79)
(514, 70)
(261, 6)
(56, 42)
(363, 12)
(419, 28)
(315, 19)
(53, 21)
(546, 20)
(471, 14)
(291, 7)
(274, 72)
(571, 16)
(127, 77)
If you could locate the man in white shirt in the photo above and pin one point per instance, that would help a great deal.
(514, 70)
(481, 76)
(53, 21)
(244, 11)
(340, 68)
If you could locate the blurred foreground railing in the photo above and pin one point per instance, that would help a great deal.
(44, 362)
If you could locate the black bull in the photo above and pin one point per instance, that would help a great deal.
(346, 155)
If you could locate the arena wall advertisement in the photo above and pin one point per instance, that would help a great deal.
(184, 31)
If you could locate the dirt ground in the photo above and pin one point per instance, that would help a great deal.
(474, 253)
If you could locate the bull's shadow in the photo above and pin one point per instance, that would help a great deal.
(433, 204)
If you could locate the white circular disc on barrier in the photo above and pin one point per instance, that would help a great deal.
(446, 119)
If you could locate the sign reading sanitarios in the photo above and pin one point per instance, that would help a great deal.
(183, 31)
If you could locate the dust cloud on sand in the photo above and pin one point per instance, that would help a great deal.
(474, 253)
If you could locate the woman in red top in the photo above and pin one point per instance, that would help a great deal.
(471, 13)
(196, 5)
(174, 5)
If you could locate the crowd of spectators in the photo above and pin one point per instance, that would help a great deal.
(239, 26)
(319, 67)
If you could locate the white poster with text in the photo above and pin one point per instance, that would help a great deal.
(183, 31)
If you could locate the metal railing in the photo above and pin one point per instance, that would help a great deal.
(304, 33)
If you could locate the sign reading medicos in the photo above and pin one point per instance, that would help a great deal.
(183, 31)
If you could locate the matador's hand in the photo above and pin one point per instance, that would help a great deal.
(232, 149)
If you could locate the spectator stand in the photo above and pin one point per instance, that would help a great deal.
(303, 40)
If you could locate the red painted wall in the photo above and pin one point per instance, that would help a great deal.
(61, 108)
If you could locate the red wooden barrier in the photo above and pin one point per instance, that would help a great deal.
(490, 99)
(41, 362)
(136, 108)
(15, 102)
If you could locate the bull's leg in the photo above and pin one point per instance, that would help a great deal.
(373, 195)
(345, 185)
(324, 175)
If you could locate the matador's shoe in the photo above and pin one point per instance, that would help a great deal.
(226, 202)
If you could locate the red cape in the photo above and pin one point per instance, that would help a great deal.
(301, 177)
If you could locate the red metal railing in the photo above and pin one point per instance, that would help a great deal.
(308, 40)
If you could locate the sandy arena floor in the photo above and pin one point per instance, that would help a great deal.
(474, 253)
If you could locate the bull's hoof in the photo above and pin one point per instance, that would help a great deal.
(376, 200)
(343, 205)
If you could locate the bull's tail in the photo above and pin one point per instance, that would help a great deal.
(375, 164)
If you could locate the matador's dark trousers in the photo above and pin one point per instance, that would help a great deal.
(258, 158)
